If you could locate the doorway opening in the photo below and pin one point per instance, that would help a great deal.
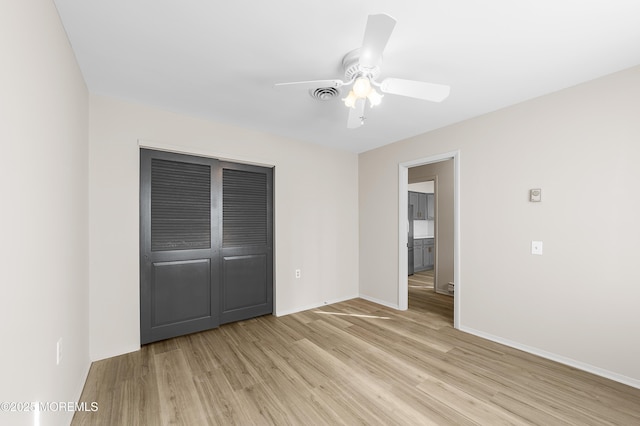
(423, 268)
(422, 225)
(448, 250)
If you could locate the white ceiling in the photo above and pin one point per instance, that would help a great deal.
(220, 59)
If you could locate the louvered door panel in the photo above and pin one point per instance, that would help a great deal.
(180, 205)
(179, 234)
(244, 206)
(247, 259)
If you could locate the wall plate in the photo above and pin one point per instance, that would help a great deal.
(536, 247)
(535, 195)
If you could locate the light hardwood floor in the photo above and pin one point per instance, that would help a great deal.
(350, 363)
(423, 279)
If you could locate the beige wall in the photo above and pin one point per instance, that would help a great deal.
(316, 219)
(44, 213)
(576, 303)
(444, 194)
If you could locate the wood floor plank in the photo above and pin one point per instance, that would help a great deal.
(180, 403)
(350, 363)
(221, 404)
(534, 414)
(467, 405)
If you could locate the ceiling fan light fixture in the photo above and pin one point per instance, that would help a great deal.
(374, 98)
(362, 87)
(350, 100)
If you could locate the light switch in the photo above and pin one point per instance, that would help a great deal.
(536, 247)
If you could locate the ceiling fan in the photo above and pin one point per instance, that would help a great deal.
(362, 67)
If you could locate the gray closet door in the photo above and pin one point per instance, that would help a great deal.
(206, 243)
(179, 239)
(247, 240)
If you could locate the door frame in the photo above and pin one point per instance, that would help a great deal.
(403, 200)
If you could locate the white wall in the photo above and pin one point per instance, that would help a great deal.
(44, 213)
(421, 229)
(576, 303)
(316, 218)
(426, 187)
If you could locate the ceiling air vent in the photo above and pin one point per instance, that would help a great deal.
(324, 93)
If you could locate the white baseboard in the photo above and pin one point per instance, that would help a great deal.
(281, 313)
(557, 358)
(379, 302)
(79, 390)
(120, 351)
(84, 381)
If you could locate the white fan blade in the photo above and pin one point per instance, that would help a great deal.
(356, 115)
(313, 84)
(415, 89)
(376, 36)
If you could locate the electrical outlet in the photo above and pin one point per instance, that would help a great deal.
(298, 273)
(536, 247)
(59, 351)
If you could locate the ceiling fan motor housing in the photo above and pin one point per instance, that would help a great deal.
(353, 68)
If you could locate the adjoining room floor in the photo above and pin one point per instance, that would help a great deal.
(422, 279)
(423, 298)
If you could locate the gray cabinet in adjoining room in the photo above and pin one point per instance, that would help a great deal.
(423, 254)
(413, 202)
(428, 253)
(430, 207)
(422, 205)
(418, 255)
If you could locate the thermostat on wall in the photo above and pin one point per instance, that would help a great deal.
(535, 195)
